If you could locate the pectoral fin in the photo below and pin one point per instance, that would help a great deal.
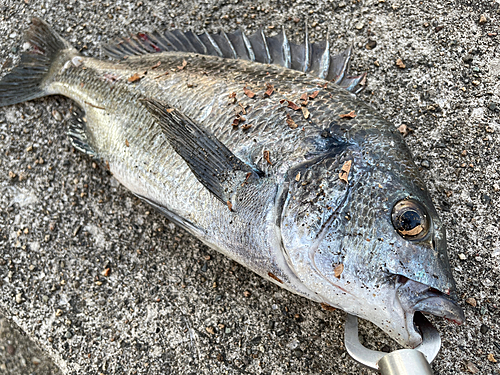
(213, 164)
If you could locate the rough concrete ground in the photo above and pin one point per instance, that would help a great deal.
(172, 305)
(19, 355)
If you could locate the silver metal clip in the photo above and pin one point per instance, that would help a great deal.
(400, 362)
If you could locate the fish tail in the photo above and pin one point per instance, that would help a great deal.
(27, 80)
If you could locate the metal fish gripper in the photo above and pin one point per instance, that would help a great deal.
(399, 362)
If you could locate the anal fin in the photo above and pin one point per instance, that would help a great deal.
(77, 132)
(213, 164)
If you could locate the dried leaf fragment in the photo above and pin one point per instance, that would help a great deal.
(314, 94)
(248, 92)
(344, 172)
(400, 64)
(304, 97)
(106, 272)
(243, 109)
(293, 106)
(327, 307)
(232, 95)
(269, 90)
(338, 270)
(267, 156)
(297, 178)
(170, 110)
(351, 114)
(491, 358)
(184, 63)
(305, 112)
(246, 126)
(210, 330)
(290, 122)
(126, 143)
(161, 75)
(156, 65)
(136, 77)
(229, 205)
(272, 276)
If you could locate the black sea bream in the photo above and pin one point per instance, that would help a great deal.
(259, 148)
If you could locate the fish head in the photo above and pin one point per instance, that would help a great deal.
(370, 243)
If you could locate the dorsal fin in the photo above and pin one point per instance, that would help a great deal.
(312, 58)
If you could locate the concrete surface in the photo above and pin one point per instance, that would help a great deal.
(103, 285)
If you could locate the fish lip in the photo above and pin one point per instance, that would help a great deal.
(416, 297)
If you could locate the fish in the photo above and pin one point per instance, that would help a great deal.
(261, 149)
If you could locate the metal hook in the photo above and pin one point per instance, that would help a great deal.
(400, 362)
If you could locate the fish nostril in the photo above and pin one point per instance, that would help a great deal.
(402, 279)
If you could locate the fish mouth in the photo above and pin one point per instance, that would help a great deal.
(415, 297)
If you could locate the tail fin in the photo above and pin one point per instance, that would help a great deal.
(25, 81)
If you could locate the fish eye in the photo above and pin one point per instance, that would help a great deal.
(410, 219)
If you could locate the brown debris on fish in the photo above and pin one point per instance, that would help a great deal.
(344, 172)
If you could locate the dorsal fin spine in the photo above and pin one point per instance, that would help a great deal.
(157, 40)
(324, 64)
(205, 51)
(233, 51)
(170, 44)
(214, 44)
(266, 47)
(191, 47)
(307, 55)
(251, 53)
(287, 56)
(174, 37)
(345, 67)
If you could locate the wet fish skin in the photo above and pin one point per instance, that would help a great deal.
(297, 221)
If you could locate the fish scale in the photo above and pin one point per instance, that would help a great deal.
(334, 210)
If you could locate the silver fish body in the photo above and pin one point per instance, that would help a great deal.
(266, 192)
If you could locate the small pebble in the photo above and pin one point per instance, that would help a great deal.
(19, 298)
(359, 25)
(11, 349)
(482, 19)
(425, 163)
(371, 44)
(400, 64)
(484, 329)
(471, 367)
(13, 35)
(471, 301)
(462, 256)
(36, 361)
(57, 116)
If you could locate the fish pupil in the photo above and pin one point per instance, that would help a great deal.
(409, 220)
